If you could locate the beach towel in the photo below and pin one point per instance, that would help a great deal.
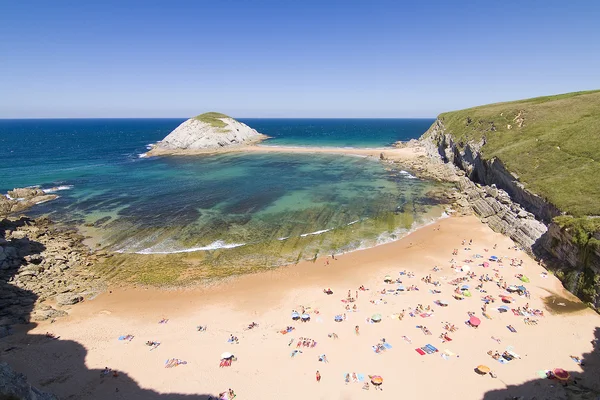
(502, 361)
(387, 346)
(433, 349)
(426, 315)
(407, 339)
(421, 352)
(487, 316)
(510, 328)
(427, 350)
(448, 352)
(445, 356)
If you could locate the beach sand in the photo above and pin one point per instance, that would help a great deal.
(70, 366)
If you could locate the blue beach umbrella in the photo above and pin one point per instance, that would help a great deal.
(464, 287)
(401, 288)
(493, 258)
(305, 317)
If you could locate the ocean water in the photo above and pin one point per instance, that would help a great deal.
(276, 206)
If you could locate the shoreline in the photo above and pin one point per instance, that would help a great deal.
(268, 297)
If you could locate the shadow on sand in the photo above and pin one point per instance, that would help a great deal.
(584, 383)
(64, 373)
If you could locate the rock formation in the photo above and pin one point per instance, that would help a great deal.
(15, 386)
(22, 199)
(206, 133)
(40, 262)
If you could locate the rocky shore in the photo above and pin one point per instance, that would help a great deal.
(21, 199)
(43, 270)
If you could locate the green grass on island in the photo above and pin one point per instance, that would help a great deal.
(551, 143)
(213, 118)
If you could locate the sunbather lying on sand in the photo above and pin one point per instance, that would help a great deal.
(163, 321)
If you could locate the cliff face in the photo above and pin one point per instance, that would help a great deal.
(15, 386)
(196, 135)
(520, 214)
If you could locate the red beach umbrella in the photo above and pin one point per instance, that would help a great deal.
(561, 374)
(474, 321)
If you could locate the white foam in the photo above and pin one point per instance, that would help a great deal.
(150, 146)
(315, 233)
(353, 222)
(143, 155)
(58, 188)
(219, 244)
(408, 175)
(283, 238)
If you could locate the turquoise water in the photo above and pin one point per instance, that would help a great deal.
(271, 203)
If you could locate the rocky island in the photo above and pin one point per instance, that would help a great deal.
(207, 133)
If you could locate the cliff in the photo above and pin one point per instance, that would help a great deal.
(532, 175)
(207, 132)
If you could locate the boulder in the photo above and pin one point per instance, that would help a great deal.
(68, 299)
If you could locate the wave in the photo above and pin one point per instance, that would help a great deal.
(408, 175)
(58, 188)
(142, 155)
(315, 233)
(219, 244)
(353, 222)
(150, 146)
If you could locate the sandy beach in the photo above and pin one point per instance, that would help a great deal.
(392, 153)
(72, 365)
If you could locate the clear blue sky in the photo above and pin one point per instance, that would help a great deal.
(289, 58)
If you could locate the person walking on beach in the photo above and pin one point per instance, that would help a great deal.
(356, 330)
(318, 376)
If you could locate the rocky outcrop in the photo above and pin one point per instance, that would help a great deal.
(21, 199)
(197, 135)
(15, 386)
(41, 264)
(497, 196)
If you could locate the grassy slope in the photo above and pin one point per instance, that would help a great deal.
(213, 118)
(556, 153)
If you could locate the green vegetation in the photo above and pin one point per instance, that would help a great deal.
(551, 143)
(213, 118)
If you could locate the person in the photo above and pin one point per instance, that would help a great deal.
(231, 394)
(318, 376)
(347, 379)
(356, 329)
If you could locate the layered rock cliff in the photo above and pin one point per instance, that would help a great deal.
(507, 206)
(206, 133)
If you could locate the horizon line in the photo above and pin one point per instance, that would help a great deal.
(186, 118)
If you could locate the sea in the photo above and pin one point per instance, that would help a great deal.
(271, 207)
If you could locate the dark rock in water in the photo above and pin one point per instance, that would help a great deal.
(102, 221)
(15, 386)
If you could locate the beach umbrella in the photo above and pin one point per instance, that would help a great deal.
(338, 318)
(525, 279)
(305, 317)
(464, 287)
(474, 321)
(484, 369)
(507, 299)
(521, 288)
(466, 268)
(466, 293)
(561, 374)
(227, 355)
(493, 258)
(401, 288)
(376, 380)
(512, 288)
(486, 264)
(387, 278)
(376, 317)
(295, 316)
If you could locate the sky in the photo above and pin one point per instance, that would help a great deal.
(79, 59)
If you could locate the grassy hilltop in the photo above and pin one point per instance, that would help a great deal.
(213, 118)
(552, 143)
